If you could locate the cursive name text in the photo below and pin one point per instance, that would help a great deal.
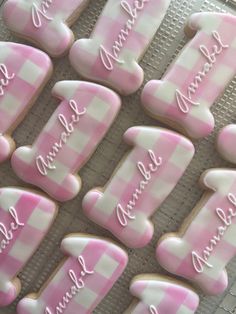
(6, 78)
(39, 12)
(153, 310)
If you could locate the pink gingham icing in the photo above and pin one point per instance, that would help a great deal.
(226, 143)
(44, 22)
(91, 268)
(206, 242)
(143, 180)
(68, 139)
(25, 218)
(198, 76)
(23, 72)
(120, 38)
(161, 295)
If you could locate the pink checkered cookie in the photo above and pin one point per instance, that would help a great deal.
(44, 22)
(25, 218)
(226, 143)
(197, 77)
(161, 295)
(206, 242)
(83, 279)
(122, 35)
(140, 184)
(23, 73)
(68, 139)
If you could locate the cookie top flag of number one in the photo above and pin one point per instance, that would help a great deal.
(69, 138)
(140, 184)
(198, 76)
(121, 36)
(23, 73)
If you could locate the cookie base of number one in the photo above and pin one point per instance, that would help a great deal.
(206, 242)
(68, 139)
(197, 77)
(90, 269)
(140, 184)
(121, 36)
(25, 219)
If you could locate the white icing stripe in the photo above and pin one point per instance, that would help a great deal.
(6, 77)
(40, 11)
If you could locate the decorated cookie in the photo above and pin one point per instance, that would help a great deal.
(25, 218)
(83, 279)
(206, 242)
(122, 35)
(23, 73)
(226, 143)
(143, 180)
(161, 295)
(197, 77)
(44, 22)
(69, 138)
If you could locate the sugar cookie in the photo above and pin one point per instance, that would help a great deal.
(91, 268)
(198, 76)
(206, 242)
(44, 22)
(23, 73)
(140, 184)
(161, 295)
(25, 218)
(122, 34)
(226, 143)
(69, 138)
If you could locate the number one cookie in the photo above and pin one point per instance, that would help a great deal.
(141, 183)
(44, 22)
(161, 295)
(206, 242)
(69, 138)
(226, 143)
(91, 268)
(197, 77)
(121, 36)
(23, 73)
(25, 218)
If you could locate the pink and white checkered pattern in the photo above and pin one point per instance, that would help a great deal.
(209, 232)
(226, 143)
(197, 77)
(128, 28)
(161, 295)
(20, 236)
(44, 22)
(68, 141)
(100, 205)
(104, 260)
(23, 73)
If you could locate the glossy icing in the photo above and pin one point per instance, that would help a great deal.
(121, 36)
(44, 22)
(68, 139)
(206, 242)
(226, 143)
(23, 73)
(143, 180)
(161, 295)
(198, 76)
(25, 218)
(91, 268)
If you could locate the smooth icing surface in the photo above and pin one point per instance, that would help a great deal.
(120, 38)
(23, 72)
(206, 243)
(197, 77)
(226, 143)
(68, 139)
(91, 268)
(44, 22)
(25, 218)
(159, 295)
(143, 180)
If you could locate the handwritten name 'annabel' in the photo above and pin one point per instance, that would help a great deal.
(5, 78)
(125, 214)
(39, 12)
